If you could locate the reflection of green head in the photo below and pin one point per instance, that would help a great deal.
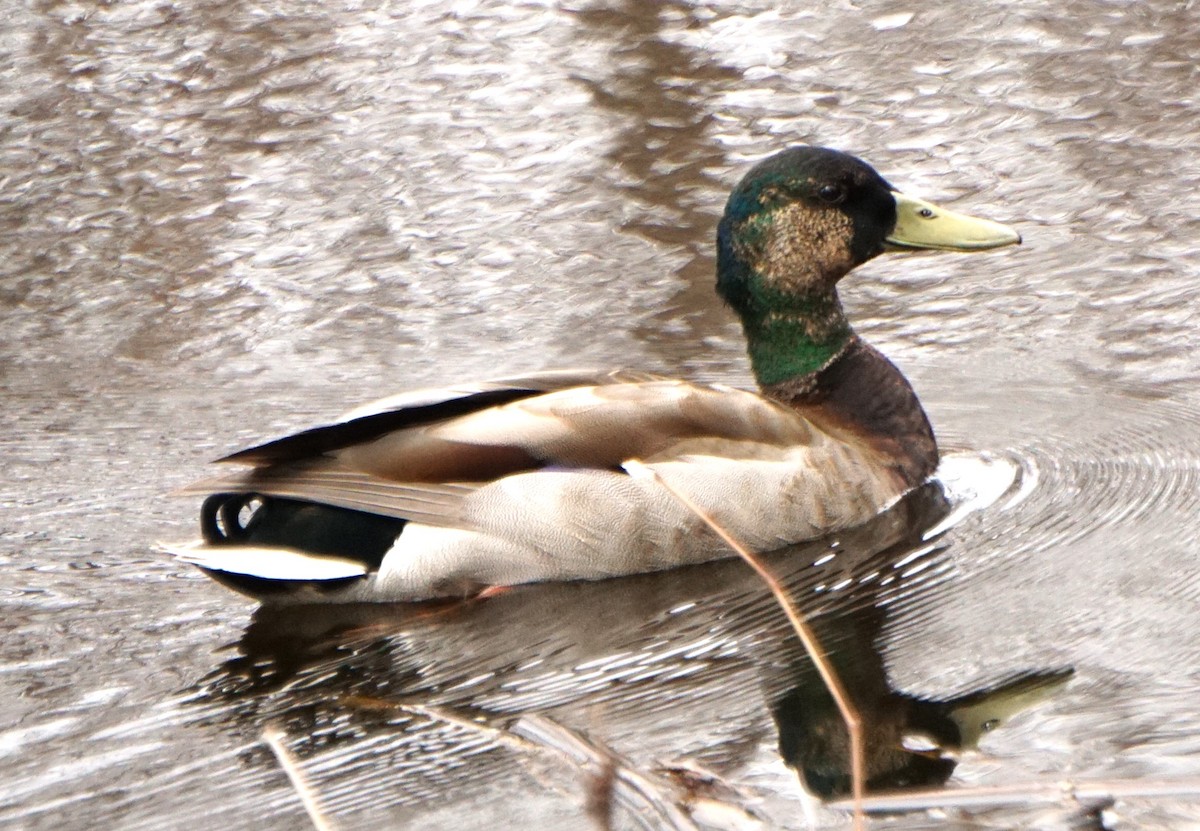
(796, 224)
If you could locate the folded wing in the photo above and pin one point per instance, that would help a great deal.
(436, 458)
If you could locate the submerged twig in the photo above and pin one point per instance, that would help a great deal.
(621, 782)
(627, 784)
(274, 740)
(601, 795)
(849, 712)
(1098, 791)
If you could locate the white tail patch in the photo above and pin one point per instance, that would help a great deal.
(267, 562)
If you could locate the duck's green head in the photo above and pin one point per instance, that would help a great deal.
(796, 224)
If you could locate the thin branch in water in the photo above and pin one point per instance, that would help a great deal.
(615, 780)
(601, 794)
(540, 735)
(629, 786)
(849, 712)
(273, 738)
(1032, 793)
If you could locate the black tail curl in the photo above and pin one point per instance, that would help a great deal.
(258, 519)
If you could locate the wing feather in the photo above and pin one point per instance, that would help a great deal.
(433, 457)
(418, 407)
(432, 504)
(602, 426)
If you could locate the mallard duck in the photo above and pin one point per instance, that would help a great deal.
(448, 492)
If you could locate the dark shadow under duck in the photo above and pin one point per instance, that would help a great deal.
(446, 492)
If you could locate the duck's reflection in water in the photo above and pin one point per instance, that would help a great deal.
(909, 741)
(694, 663)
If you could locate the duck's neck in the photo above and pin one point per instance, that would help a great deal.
(796, 340)
(858, 390)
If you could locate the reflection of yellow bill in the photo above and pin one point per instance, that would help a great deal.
(982, 713)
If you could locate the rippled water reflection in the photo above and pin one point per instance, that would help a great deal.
(223, 221)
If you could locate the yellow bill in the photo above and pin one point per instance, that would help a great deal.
(921, 224)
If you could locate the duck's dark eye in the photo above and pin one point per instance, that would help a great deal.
(833, 194)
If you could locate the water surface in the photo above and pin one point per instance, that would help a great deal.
(223, 221)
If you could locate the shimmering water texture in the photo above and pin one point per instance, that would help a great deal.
(225, 222)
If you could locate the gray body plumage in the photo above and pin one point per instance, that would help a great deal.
(566, 509)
